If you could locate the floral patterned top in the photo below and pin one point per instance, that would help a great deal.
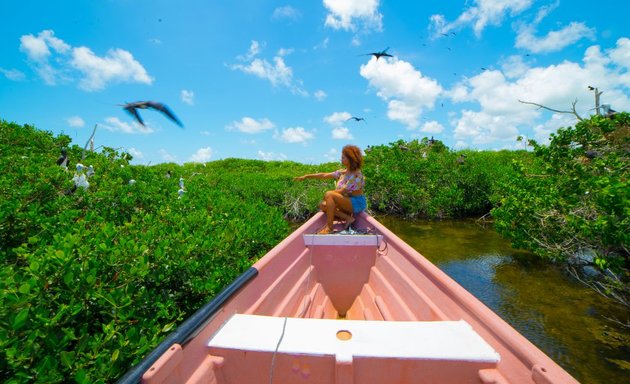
(350, 181)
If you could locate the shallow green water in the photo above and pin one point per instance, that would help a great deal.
(565, 319)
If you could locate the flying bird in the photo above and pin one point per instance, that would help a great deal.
(380, 54)
(132, 109)
(357, 119)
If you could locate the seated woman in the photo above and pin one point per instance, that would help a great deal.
(347, 198)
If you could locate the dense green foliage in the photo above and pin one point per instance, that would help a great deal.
(425, 179)
(573, 203)
(92, 280)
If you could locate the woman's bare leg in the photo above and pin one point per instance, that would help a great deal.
(335, 204)
(348, 218)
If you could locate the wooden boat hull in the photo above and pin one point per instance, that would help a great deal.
(345, 309)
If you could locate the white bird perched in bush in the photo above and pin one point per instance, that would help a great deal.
(181, 182)
(90, 171)
(608, 112)
(181, 193)
(80, 181)
(132, 181)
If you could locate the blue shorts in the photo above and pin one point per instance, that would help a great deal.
(358, 203)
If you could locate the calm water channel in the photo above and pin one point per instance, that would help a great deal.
(559, 315)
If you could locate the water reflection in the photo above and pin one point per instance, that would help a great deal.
(559, 315)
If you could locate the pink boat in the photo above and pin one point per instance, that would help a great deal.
(345, 308)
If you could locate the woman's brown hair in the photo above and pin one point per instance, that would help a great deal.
(354, 156)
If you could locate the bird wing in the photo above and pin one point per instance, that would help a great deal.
(136, 104)
(165, 110)
(133, 112)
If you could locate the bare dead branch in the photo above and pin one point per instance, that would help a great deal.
(88, 143)
(572, 111)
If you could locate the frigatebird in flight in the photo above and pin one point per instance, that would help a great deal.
(132, 108)
(357, 119)
(380, 54)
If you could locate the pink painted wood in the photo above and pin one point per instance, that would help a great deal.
(376, 279)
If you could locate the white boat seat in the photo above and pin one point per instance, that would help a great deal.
(410, 346)
(343, 240)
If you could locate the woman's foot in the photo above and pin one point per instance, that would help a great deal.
(325, 231)
(349, 222)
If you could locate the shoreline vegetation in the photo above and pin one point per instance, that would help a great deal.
(94, 278)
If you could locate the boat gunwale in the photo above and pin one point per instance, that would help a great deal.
(189, 328)
(193, 325)
(490, 326)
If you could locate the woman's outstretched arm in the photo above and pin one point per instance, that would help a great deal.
(329, 175)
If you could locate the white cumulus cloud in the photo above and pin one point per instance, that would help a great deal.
(405, 89)
(337, 118)
(333, 154)
(320, 95)
(167, 156)
(117, 66)
(75, 121)
(276, 72)
(294, 135)
(621, 54)
(114, 124)
(479, 15)
(432, 127)
(137, 154)
(202, 155)
(81, 64)
(251, 125)
(554, 40)
(13, 74)
(286, 12)
(501, 117)
(353, 14)
(271, 156)
(341, 133)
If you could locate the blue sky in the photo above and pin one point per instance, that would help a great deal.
(278, 80)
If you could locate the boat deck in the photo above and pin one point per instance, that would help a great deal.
(404, 321)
